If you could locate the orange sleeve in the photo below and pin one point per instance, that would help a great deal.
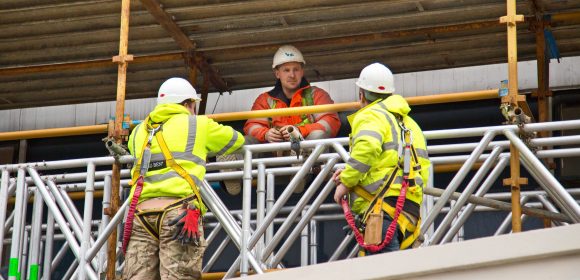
(258, 127)
(328, 122)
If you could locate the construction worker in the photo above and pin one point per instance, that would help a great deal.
(166, 239)
(291, 90)
(388, 167)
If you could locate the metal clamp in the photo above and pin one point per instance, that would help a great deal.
(152, 133)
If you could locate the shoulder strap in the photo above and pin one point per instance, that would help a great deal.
(146, 143)
(170, 161)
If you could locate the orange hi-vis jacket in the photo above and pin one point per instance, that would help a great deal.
(304, 96)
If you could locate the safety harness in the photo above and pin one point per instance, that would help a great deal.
(410, 164)
(307, 100)
(191, 214)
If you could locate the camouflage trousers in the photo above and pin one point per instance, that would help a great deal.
(151, 258)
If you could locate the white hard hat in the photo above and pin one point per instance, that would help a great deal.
(287, 53)
(176, 90)
(376, 78)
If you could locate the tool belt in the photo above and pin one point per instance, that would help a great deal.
(159, 214)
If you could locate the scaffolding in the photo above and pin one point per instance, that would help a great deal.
(252, 230)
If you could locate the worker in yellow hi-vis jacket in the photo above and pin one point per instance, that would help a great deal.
(388, 167)
(170, 146)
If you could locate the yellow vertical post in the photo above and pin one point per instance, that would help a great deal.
(122, 59)
(515, 189)
(513, 98)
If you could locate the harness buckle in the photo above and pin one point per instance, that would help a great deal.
(146, 156)
(152, 131)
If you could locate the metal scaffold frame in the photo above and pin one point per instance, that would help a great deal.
(251, 230)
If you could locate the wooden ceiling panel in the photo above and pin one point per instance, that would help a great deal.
(39, 40)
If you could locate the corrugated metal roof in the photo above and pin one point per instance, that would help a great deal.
(239, 38)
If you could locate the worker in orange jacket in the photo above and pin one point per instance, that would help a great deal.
(291, 90)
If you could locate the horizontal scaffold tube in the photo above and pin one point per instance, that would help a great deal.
(236, 116)
(500, 205)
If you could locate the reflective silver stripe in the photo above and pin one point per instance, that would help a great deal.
(161, 177)
(393, 127)
(422, 153)
(191, 134)
(372, 187)
(359, 166)
(326, 125)
(253, 127)
(370, 133)
(230, 144)
(390, 146)
(165, 176)
(418, 180)
(318, 116)
(271, 103)
(136, 129)
(353, 196)
(398, 180)
(188, 154)
(179, 155)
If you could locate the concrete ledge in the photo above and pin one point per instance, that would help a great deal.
(540, 254)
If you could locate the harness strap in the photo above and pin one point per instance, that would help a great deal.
(152, 229)
(175, 166)
(140, 159)
(390, 230)
(379, 195)
(135, 199)
(131, 214)
(155, 229)
(406, 225)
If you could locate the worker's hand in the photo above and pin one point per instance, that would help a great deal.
(284, 132)
(273, 135)
(341, 190)
(336, 176)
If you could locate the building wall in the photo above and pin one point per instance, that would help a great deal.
(565, 74)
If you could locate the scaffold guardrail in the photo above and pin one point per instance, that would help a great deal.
(261, 245)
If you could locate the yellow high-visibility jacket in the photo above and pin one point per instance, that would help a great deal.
(376, 148)
(189, 138)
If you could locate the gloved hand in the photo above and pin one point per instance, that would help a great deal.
(187, 225)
